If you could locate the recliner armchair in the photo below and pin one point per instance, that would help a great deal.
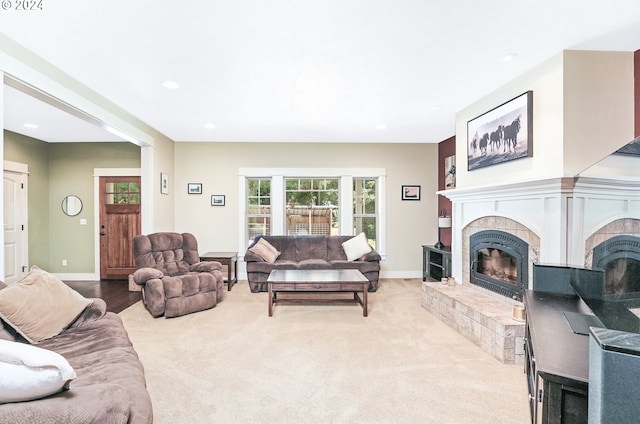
(174, 281)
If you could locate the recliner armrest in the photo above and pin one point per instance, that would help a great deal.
(206, 266)
(143, 275)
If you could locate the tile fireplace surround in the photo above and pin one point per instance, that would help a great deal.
(561, 219)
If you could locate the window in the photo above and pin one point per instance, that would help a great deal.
(294, 201)
(312, 206)
(258, 207)
(364, 208)
(123, 193)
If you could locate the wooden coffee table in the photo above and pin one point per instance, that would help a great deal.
(317, 281)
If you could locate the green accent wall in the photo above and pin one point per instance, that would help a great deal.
(55, 171)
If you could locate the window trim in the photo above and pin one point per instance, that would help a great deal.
(346, 176)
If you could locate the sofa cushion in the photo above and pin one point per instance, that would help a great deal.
(314, 264)
(356, 247)
(266, 267)
(265, 250)
(29, 372)
(311, 247)
(40, 306)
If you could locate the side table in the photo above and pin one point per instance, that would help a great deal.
(230, 259)
(436, 263)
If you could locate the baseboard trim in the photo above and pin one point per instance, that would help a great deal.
(78, 276)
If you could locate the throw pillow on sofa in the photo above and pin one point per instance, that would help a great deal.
(40, 306)
(265, 250)
(356, 247)
(29, 372)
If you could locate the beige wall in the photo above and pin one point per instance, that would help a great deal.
(409, 223)
(598, 110)
(163, 161)
(582, 111)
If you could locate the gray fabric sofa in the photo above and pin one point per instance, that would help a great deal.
(308, 252)
(174, 281)
(110, 386)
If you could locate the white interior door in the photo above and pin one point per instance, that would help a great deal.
(15, 225)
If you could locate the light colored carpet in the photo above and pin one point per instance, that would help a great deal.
(321, 364)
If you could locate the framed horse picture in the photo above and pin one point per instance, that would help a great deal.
(502, 134)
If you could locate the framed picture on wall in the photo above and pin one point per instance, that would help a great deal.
(164, 183)
(217, 200)
(450, 172)
(632, 148)
(502, 134)
(194, 188)
(410, 192)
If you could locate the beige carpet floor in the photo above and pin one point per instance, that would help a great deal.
(321, 364)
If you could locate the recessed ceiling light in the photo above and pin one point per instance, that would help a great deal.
(170, 85)
(31, 125)
(210, 125)
(381, 126)
(437, 107)
(508, 57)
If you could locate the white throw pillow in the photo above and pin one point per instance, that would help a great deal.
(356, 247)
(28, 372)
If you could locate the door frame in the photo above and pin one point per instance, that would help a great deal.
(19, 168)
(106, 172)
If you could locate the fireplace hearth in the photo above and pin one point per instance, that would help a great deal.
(499, 262)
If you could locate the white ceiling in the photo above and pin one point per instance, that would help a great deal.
(302, 70)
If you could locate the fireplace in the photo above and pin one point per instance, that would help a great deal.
(499, 262)
(619, 258)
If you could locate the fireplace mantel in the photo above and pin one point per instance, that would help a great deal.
(562, 211)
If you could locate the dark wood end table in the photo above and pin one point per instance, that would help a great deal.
(230, 259)
(318, 281)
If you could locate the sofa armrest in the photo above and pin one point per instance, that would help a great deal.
(97, 403)
(206, 266)
(93, 312)
(249, 256)
(143, 275)
(372, 256)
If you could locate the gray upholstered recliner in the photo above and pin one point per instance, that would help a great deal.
(174, 281)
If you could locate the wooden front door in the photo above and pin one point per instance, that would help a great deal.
(119, 224)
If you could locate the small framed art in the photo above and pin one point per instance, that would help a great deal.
(194, 188)
(410, 192)
(164, 183)
(217, 200)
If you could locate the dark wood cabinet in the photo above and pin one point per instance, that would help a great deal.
(436, 263)
(556, 359)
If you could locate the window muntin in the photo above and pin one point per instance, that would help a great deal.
(123, 193)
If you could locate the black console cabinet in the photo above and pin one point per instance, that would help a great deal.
(436, 263)
(556, 359)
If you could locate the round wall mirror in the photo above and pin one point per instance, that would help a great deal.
(71, 205)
